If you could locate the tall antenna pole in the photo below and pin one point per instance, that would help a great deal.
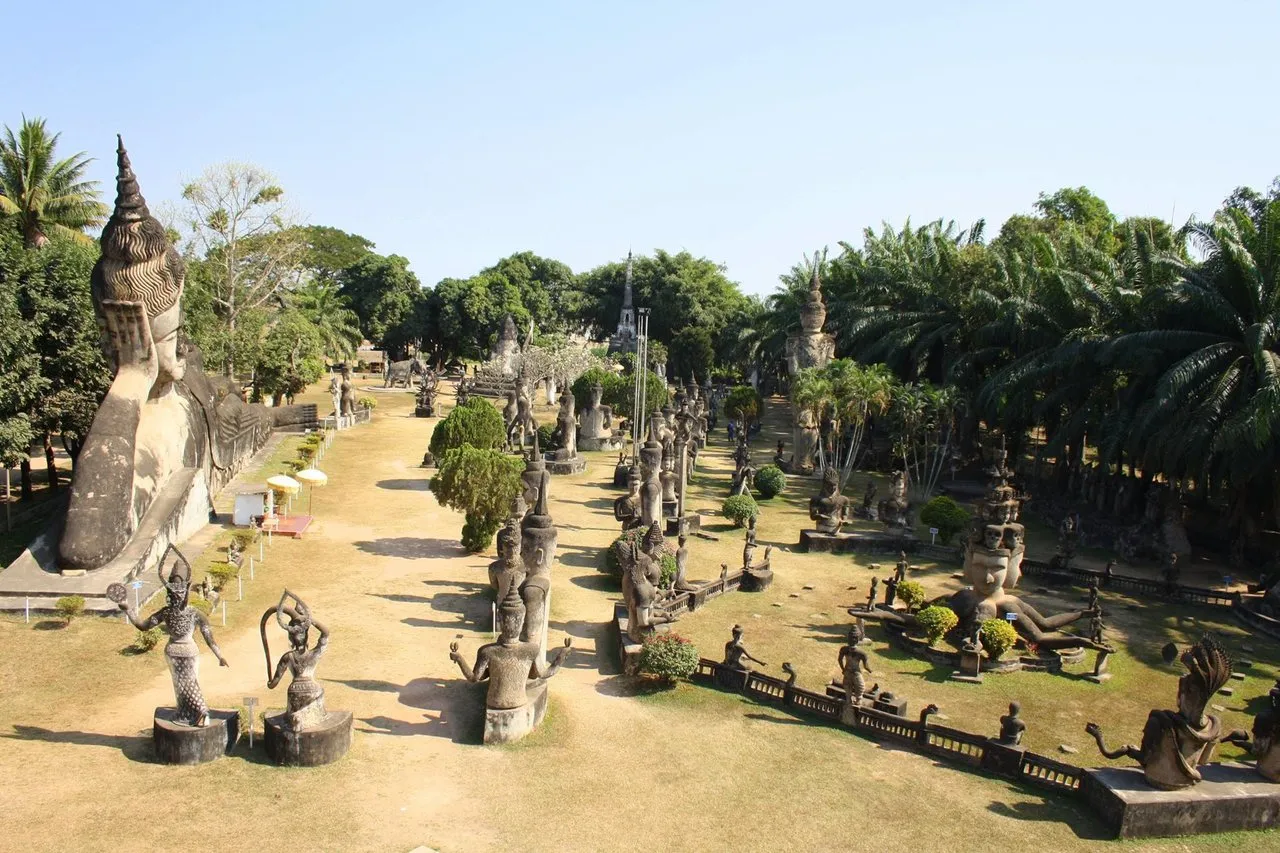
(642, 368)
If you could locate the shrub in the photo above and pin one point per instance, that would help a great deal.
(200, 603)
(911, 593)
(547, 438)
(936, 621)
(997, 637)
(739, 509)
(668, 571)
(147, 640)
(481, 483)
(670, 657)
(245, 538)
(307, 454)
(475, 422)
(222, 574)
(945, 514)
(618, 391)
(368, 402)
(622, 545)
(743, 403)
(770, 481)
(69, 607)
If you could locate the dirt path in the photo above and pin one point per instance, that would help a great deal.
(689, 770)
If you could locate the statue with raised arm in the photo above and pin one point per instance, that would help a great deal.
(180, 621)
(1175, 743)
(736, 654)
(306, 696)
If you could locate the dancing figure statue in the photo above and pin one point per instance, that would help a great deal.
(180, 620)
(306, 696)
(853, 662)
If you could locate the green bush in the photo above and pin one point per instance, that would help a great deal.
(476, 422)
(618, 390)
(669, 657)
(246, 537)
(997, 637)
(911, 593)
(668, 571)
(739, 509)
(945, 514)
(743, 403)
(69, 607)
(147, 640)
(481, 483)
(547, 438)
(200, 603)
(622, 545)
(222, 574)
(936, 621)
(367, 402)
(770, 481)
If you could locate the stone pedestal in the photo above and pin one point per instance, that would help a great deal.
(841, 543)
(612, 443)
(323, 743)
(1002, 759)
(181, 744)
(669, 508)
(1231, 797)
(754, 580)
(424, 411)
(572, 465)
(511, 724)
(692, 524)
(970, 670)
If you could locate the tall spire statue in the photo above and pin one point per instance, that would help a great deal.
(624, 339)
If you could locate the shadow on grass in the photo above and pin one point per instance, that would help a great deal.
(599, 503)
(455, 709)
(1082, 824)
(631, 686)
(411, 547)
(49, 625)
(401, 597)
(786, 721)
(583, 558)
(405, 485)
(579, 658)
(134, 747)
(597, 583)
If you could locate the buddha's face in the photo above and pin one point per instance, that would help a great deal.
(992, 535)
(987, 573)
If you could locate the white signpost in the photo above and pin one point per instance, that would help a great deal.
(933, 535)
(137, 585)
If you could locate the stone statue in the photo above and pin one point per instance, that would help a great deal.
(829, 508)
(508, 570)
(640, 592)
(626, 509)
(428, 383)
(180, 620)
(1011, 726)
(166, 436)
(871, 594)
(506, 349)
(682, 563)
(335, 393)
(1068, 538)
(348, 393)
(510, 663)
(566, 427)
(900, 570)
(806, 442)
(736, 654)
(306, 696)
(597, 418)
(868, 498)
(1265, 745)
(651, 470)
(1169, 571)
(853, 662)
(538, 540)
(893, 509)
(463, 392)
(1174, 743)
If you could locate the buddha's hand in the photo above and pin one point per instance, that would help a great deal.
(129, 336)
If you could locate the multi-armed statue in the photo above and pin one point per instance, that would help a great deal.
(166, 436)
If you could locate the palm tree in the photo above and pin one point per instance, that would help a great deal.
(321, 302)
(48, 196)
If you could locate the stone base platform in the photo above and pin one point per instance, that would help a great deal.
(424, 411)
(756, 581)
(841, 543)
(692, 522)
(323, 743)
(177, 743)
(510, 725)
(573, 465)
(1231, 797)
(613, 444)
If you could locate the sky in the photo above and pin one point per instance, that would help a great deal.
(746, 132)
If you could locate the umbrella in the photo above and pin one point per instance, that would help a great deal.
(283, 483)
(312, 477)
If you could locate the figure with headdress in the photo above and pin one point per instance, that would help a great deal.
(1175, 743)
(180, 620)
(306, 696)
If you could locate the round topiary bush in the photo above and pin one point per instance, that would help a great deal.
(997, 637)
(368, 402)
(739, 509)
(481, 483)
(912, 594)
(945, 514)
(69, 607)
(476, 422)
(936, 621)
(669, 657)
(770, 481)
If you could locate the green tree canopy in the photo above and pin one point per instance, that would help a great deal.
(384, 293)
(45, 195)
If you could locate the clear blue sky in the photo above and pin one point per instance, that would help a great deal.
(750, 133)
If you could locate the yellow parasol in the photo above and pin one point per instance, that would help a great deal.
(284, 484)
(312, 477)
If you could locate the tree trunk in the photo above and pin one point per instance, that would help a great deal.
(26, 479)
(51, 462)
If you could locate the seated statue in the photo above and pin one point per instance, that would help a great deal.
(640, 593)
(597, 418)
(509, 569)
(508, 664)
(829, 508)
(626, 509)
(166, 436)
(1174, 743)
(1265, 745)
(566, 427)
(306, 696)
(736, 654)
(1012, 727)
(180, 620)
(893, 509)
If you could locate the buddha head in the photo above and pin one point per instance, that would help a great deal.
(596, 392)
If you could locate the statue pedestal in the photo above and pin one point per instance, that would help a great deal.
(572, 465)
(756, 581)
(840, 543)
(322, 743)
(1001, 758)
(692, 524)
(1231, 797)
(424, 411)
(510, 724)
(613, 443)
(177, 743)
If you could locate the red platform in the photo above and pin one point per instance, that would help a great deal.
(287, 525)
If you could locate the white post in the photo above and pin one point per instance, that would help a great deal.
(250, 702)
(28, 609)
(240, 586)
(268, 537)
(250, 567)
(494, 608)
(224, 613)
(260, 557)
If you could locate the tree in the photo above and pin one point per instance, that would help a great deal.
(326, 251)
(384, 293)
(46, 196)
(921, 422)
(468, 314)
(547, 288)
(238, 224)
(744, 404)
(290, 359)
(476, 422)
(482, 484)
(691, 352)
(321, 302)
